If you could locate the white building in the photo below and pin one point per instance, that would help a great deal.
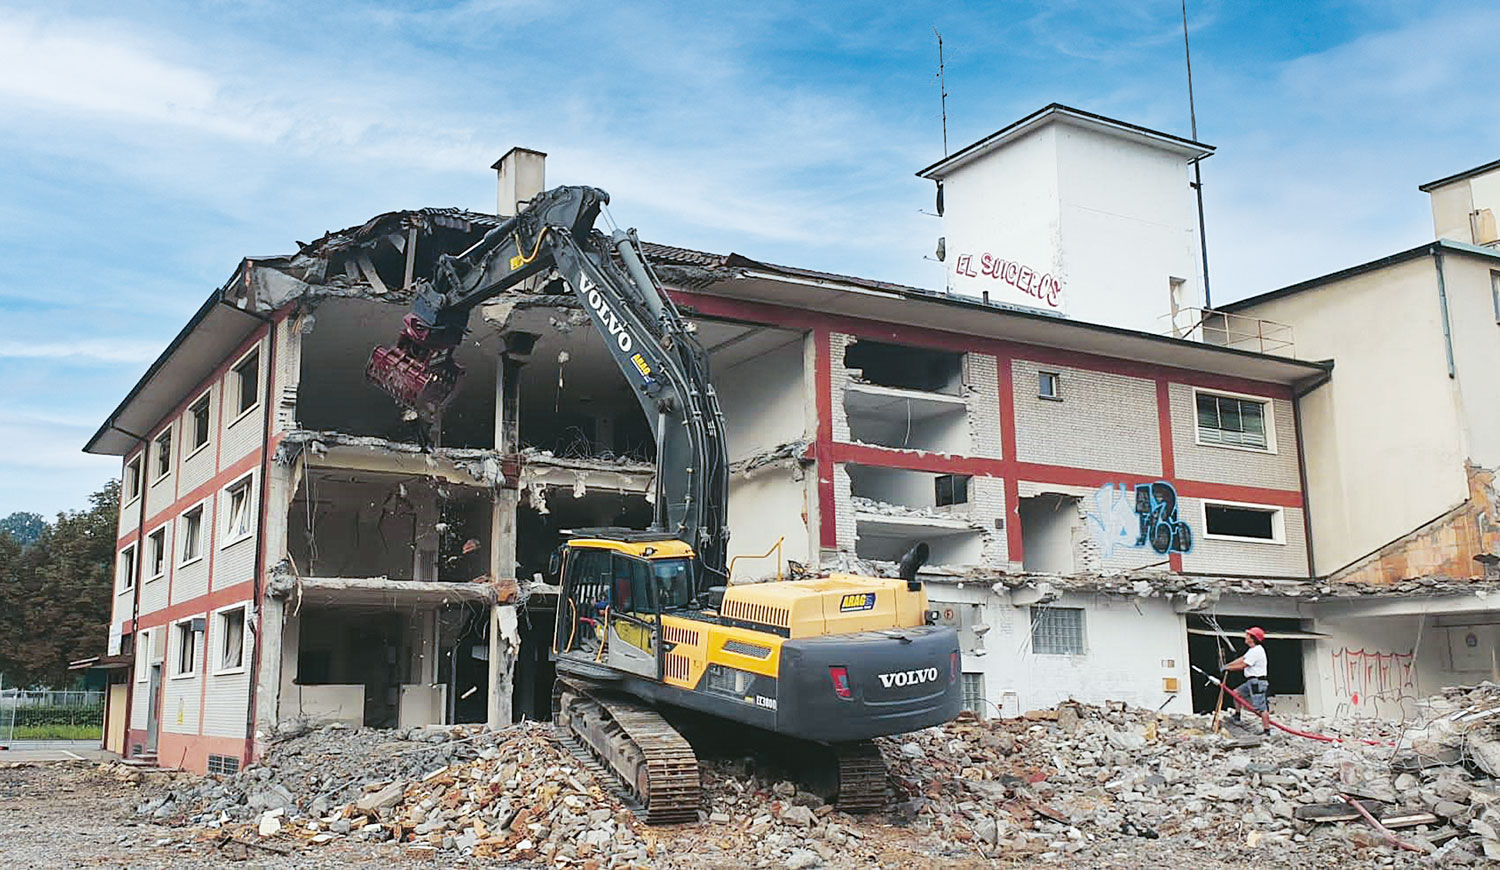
(1075, 214)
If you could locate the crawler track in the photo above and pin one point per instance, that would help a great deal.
(651, 761)
(862, 777)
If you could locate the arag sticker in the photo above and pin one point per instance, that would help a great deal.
(857, 601)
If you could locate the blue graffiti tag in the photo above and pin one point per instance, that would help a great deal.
(1150, 517)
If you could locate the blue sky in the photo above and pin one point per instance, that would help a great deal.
(149, 146)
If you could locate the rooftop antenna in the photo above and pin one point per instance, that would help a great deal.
(1197, 171)
(943, 87)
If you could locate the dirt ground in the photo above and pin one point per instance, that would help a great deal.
(67, 815)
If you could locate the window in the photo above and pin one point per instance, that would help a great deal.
(186, 642)
(143, 656)
(1243, 522)
(1232, 422)
(1057, 631)
(1049, 386)
(127, 568)
(223, 765)
(238, 524)
(199, 415)
(164, 454)
(247, 382)
(133, 480)
(974, 695)
(158, 551)
(951, 489)
(192, 535)
(1495, 293)
(231, 631)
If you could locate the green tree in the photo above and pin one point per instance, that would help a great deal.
(55, 593)
(24, 526)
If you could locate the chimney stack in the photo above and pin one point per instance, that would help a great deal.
(522, 175)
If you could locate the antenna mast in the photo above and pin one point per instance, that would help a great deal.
(1197, 171)
(943, 88)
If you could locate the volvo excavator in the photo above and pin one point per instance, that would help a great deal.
(649, 631)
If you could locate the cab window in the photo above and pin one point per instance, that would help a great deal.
(673, 579)
(631, 586)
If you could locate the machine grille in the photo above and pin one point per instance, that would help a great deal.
(764, 614)
(677, 634)
(753, 650)
(678, 666)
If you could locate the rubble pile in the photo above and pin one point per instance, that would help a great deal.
(1106, 786)
(514, 794)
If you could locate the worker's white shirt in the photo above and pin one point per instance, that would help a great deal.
(1255, 661)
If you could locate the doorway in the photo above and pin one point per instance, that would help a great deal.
(1214, 639)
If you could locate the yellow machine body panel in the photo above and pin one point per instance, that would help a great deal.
(836, 604)
(695, 644)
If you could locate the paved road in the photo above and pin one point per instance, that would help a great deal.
(53, 750)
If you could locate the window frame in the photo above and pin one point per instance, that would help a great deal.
(968, 481)
(219, 625)
(156, 444)
(235, 372)
(142, 654)
(125, 580)
(201, 509)
(175, 645)
(206, 401)
(1278, 521)
(1268, 417)
(134, 470)
(1056, 377)
(983, 707)
(1083, 636)
(1495, 293)
(229, 538)
(166, 559)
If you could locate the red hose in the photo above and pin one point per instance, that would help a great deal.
(1308, 734)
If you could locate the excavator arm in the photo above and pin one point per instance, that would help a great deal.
(653, 346)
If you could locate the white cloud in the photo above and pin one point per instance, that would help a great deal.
(102, 350)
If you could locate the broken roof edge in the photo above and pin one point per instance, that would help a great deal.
(1425, 249)
(749, 268)
(1051, 112)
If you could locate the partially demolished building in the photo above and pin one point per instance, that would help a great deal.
(1102, 503)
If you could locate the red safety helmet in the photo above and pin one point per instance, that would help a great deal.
(1258, 633)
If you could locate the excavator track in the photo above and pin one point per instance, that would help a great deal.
(651, 761)
(862, 777)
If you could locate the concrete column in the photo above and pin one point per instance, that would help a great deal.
(504, 638)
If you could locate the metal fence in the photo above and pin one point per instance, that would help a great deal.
(46, 713)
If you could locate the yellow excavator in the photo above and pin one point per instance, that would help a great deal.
(648, 625)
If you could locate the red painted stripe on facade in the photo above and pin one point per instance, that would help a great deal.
(1015, 544)
(202, 604)
(917, 336)
(823, 387)
(1168, 448)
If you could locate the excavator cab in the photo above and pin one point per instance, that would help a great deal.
(615, 585)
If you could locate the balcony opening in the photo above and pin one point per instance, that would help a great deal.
(905, 368)
(894, 509)
(1051, 528)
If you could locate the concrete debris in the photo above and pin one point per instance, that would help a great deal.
(482, 467)
(1084, 785)
(792, 453)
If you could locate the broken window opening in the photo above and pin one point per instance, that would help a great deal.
(1052, 528)
(334, 396)
(904, 367)
(343, 523)
(896, 508)
(1215, 639)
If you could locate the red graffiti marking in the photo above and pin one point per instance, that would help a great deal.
(1024, 278)
(1363, 676)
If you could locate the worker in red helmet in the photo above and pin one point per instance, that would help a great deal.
(1255, 689)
